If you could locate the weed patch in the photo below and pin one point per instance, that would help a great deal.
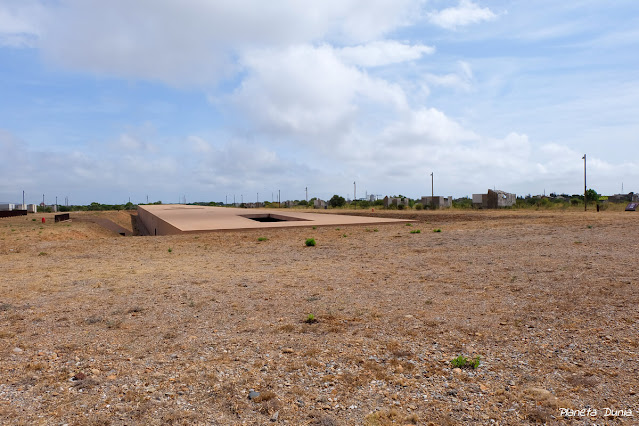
(462, 362)
(310, 242)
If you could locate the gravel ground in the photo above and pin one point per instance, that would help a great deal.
(218, 328)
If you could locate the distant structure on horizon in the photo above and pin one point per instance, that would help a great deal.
(494, 199)
(437, 202)
(395, 201)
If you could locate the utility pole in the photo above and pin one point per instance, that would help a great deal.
(43, 202)
(307, 194)
(354, 191)
(279, 198)
(432, 185)
(233, 200)
(25, 206)
(585, 190)
(258, 197)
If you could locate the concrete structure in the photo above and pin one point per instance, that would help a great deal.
(395, 201)
(494, 199)
(168, 219)
(32, 208)
(319, 204)
(7, 207)
(437, 202)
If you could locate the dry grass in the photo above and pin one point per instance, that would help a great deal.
(181, 337)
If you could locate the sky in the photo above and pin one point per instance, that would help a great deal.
(206, 100)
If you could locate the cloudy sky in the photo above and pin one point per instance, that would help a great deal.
(102, 101)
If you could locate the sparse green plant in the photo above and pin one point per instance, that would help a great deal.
(589, 226)
(315, 227)
(409, 224)
(337, 229)
(33, 220)
(310, 319)
(437, 230)
(310, 242)
(262, 239)
(42, 253)
(170, 249)
(462, 362)
(344, 236)
(416, 231)
(375, 230)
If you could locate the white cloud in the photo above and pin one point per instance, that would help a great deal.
(191, 43)
(307, 90)
(466, 13)
(19, 23)
(380, 53)
(461, 80)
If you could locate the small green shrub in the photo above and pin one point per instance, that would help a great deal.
(262, 239)
(437, 230)
(415, 231)
(315, 227)
(170, 249)
(310, 242)
(419, 206)
(310, 319)
(33, 220)
(344, 235)
(409, 224)
(462, 362)
(375, 230)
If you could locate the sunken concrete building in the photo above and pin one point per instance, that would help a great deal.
(437, 202)
(494, 200)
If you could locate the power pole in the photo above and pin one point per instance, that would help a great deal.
(354, 191)
(279, 198)
(432, 185)
(307, 194)
(585, 190)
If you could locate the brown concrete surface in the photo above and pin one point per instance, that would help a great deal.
(168, 219)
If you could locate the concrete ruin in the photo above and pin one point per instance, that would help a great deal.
(437, 202)
(395, 201)
(494, 199)
(319, 204)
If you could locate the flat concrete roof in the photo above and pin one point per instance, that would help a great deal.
(187, 218)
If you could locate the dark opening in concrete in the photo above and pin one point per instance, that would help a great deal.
(271, 218)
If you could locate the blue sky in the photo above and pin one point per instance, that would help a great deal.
(106, 101)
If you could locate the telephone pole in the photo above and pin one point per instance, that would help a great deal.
(585, 190)
(432, 185)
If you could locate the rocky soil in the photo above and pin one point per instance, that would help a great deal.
(221, 328)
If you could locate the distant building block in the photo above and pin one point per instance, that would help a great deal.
(319, 204)
(437, 202)
(395, 201)
(494, 199)
(7, 207)
(32, 208)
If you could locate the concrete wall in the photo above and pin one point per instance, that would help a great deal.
(7, 207)
(437, 202)
(154, 225)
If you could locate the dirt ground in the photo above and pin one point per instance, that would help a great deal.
(102, 329)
